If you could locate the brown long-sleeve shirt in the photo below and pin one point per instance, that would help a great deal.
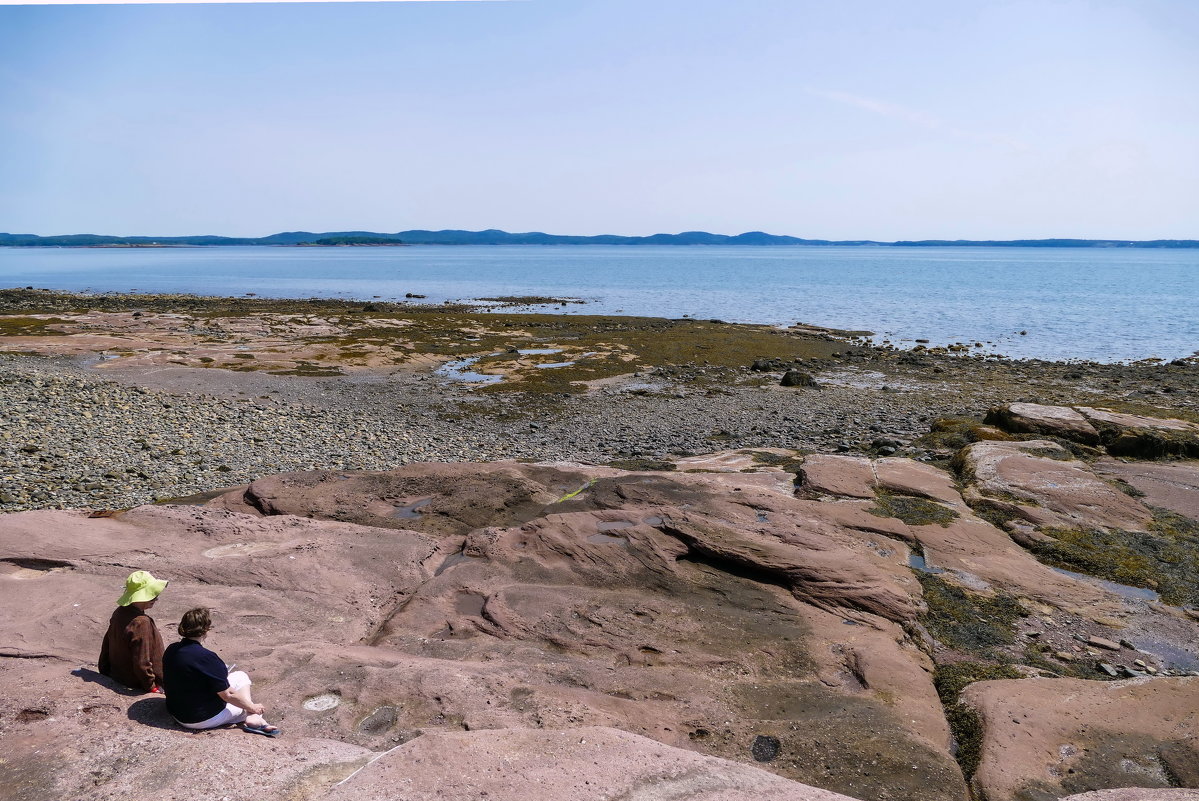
(132, 649)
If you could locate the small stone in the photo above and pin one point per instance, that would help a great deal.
(1063, 656)
(1109, 669)
(1100, 642)
(765, 748)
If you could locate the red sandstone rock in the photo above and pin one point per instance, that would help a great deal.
(1136, 794)
(1144, 437)
(701, 610)
(1053, 492)
(585, 764)
(1170, 485)
(1053, 737)
(1035, 418)
(706, 611)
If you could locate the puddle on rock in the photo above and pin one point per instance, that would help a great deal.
(1171, 656)
(451, 560)
(459, 370)
(601, 539)
(322, 703)
(614, 525)
(469, 603)
(652, 521)
(918, 562)
(1123, 590)
(555, 364)
(537, 351)
(412, 511)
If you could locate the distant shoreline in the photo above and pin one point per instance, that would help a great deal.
(497, 237)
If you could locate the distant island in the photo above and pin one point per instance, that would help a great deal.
(497, 237)
(341, 241)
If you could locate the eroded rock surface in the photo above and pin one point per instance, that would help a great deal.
(760, 617)
(586, 764)
(1045, 739)
(1040, 482)
(1035, 418)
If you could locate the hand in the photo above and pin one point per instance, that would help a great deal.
(255, 709)
(157, 689)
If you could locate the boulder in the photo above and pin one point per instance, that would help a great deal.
(1035, 418)
(1046, 739)
(796, 378)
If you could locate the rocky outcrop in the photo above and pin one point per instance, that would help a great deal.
(706, 611)
(1144, 437)
(1039, 482)
(1168, 485)
(1122, 434)
(1045, 739)
(507, 623)
(586, 764)
(1035, 418)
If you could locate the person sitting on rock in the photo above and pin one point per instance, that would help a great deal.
(201, 692)
(132, 648)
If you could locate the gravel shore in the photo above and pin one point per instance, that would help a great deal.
(76, 436)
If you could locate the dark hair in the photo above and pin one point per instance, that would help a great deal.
(195, 623)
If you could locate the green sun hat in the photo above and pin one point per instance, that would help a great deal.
(141, 586)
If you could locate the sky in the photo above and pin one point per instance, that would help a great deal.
(860, 119)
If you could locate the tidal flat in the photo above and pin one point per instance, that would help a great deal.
(112, 400)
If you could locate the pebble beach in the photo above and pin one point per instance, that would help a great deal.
(77, 431)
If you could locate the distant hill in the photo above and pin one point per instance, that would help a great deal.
(497, 237)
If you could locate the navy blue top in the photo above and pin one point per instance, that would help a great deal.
(192, 677)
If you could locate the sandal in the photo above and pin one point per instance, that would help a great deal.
(266, 731)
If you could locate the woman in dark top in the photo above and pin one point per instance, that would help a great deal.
(132, 649)
(201, 692)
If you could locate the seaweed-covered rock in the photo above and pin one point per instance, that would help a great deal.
(1144, 437)
(796, 378)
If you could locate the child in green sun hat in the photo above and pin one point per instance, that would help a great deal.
(132, 648)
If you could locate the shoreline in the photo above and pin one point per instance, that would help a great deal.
(158, 422)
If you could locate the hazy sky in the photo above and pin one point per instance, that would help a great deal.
(856, 119)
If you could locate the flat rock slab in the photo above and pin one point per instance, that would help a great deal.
(1170, 485)
(1041, 483)
(1035, 418)
(1136, 794)
(1049, 738)
(584, 764)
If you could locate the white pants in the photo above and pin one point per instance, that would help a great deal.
(231, 713)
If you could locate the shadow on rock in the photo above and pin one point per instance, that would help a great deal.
(153, 712)
(99, 678)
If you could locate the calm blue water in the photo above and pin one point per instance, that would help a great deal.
(1085, 303)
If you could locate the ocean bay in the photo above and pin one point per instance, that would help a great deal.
(1074, 303)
